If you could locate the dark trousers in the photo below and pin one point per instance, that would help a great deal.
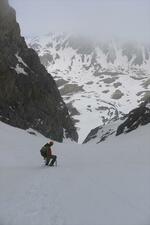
(53, 157)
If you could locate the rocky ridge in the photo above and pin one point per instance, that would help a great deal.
(29, 97)
(139, 116)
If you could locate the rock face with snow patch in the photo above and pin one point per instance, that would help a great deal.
(101, 133)
(28, 94)
(135, 118)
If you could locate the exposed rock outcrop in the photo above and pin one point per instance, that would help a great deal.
(28, 94)
(117, 94)
(137, 117)
(127, 123)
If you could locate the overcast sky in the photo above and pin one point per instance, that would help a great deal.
(101, 18)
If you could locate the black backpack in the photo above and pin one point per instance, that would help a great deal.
(43, 150)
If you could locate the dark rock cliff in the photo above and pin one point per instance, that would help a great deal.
(137, 117)
(29, 97)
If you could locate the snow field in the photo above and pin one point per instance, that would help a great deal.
(105, 184)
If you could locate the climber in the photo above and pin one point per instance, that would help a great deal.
(46, 152)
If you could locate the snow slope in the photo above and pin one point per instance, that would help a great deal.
(105, 184)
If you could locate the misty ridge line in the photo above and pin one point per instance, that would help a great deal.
(100, 19)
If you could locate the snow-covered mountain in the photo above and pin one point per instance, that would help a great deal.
(98, 80)
(93, 184)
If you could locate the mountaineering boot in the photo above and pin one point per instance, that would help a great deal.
(53, 157)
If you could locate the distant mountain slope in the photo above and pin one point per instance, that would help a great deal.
(135, 118)
(98, 80)
(28, 94)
